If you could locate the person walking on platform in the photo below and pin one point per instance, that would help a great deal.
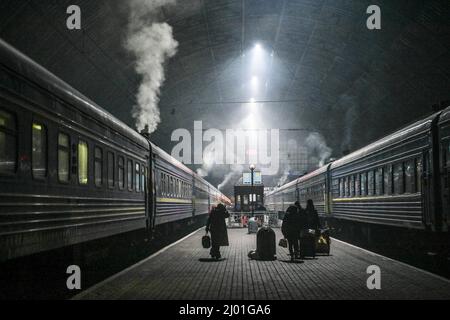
(312, 216)
(299, 207)
(217, 226)
(293, 222)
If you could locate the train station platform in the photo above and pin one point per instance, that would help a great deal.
(183, 271)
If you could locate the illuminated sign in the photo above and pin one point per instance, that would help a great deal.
(247, 178)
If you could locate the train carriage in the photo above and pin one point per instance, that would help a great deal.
(173, 188)
(70, 172)
(279, 199)
(388, 182)
(314, 186)
(401, 180)
(444, 136)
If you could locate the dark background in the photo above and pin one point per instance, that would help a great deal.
(328, 72)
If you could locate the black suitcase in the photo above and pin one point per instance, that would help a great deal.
(266, 244)
(308, 245)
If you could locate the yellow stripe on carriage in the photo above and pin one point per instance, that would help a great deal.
(173, 200)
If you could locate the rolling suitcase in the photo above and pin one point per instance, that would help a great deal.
(308, 244)
(266, 244)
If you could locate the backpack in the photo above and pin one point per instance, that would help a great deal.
(265, 244)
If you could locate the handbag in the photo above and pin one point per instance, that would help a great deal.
(283, 243)
(206, 241)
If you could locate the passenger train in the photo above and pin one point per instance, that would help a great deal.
(70, 172)
(401, 180)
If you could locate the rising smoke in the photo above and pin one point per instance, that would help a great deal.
(283, 179)
(152, 43)
(348, 106)
(232, 175)
(318, 150)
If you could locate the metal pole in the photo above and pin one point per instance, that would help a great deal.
(252, 202)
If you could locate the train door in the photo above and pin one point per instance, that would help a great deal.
(193, 196)
(427, 189)
(328, 191)
(151, 192)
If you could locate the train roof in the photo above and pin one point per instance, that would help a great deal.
(303, 178)
(396, 137)
(283, 187)
(314, 173)
(164, 155)
(16, 61)
(445, 116)
(167, 157)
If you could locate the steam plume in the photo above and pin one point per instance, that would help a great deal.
(235, 171)
(318, 150)
(152, 43)
(284, 177)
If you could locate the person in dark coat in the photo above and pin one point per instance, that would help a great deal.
(299, 207)
(293, 222)
(218, 228)
(312, 216)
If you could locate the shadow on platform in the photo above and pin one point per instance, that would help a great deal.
(292, 261)
(211, 259)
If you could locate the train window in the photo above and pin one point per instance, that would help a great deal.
(63, 157)
(98, 166)
(387, 181)
(83, 162)
(410, 177)
(8, 142)
(364, 184)
(170, 186)
(166, 184)
(121, 172)
(352, 186)
(130, 175)
(162, 184)
(143, 176)
(110, 159)
(346, 187)
(137, 178)
(398, 178)
(341, 188)
(419, 175)
(379, 178)
(39, 151)
(358, 185)
(370, 183)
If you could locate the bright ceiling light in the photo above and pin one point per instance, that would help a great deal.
(255, 81)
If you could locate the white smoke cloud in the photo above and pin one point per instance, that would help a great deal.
(284, 176)
(234, 173)
(152, 43)
(318, 151)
